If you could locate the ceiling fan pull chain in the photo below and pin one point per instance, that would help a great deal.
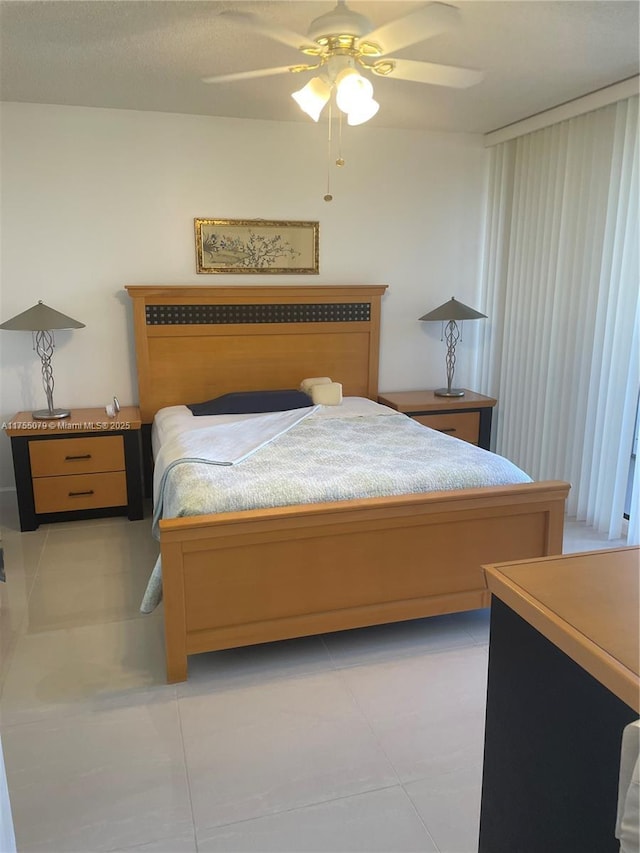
(328, 196)
(339, 160)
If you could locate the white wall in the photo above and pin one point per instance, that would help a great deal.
(93, 199)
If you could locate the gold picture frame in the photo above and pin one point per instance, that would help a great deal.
(248, 246)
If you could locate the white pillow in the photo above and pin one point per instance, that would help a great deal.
(307, 384)
(327, 394)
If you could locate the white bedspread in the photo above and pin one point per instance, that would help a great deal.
(329, 453)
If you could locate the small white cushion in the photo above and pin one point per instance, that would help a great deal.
(329, 394)
(307, 384)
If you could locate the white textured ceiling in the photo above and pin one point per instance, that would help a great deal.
(152, 55)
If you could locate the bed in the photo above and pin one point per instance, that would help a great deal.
(252, 576)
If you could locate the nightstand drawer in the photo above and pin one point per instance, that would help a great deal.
(80, 491)
(76, 456)
(464, 425)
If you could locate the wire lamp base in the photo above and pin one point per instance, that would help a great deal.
(54, 414)
(452, 334)
(449, 392)
(44, 345)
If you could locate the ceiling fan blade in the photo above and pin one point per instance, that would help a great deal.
(434, 74)
(273, 31)
(417, 26)
(247, 75)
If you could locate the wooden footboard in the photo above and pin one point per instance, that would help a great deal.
(250, 577)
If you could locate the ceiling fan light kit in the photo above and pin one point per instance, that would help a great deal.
(353, 92)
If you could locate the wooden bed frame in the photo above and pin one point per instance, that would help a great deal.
(235, 579)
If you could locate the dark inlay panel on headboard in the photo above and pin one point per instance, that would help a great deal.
(189, 315)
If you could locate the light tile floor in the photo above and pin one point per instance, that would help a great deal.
(367, 740)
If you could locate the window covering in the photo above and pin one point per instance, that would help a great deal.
(561, 288)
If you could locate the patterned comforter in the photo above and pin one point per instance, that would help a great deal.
(322, 460)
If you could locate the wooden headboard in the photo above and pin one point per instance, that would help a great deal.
(194, 343)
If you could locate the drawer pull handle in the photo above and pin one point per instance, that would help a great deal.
(80, 494)
(447, 429)
(81, 456)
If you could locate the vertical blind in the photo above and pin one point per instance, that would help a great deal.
(562, 289)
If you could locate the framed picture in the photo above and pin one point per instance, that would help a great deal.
(249, 246)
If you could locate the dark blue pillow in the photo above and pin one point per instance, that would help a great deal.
(247, 402)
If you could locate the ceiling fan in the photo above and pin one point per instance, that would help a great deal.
(342, 41)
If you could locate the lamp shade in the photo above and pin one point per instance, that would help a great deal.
(352, 89)
(40, 318)
(363, 112)
(312, 97)
(453, 310)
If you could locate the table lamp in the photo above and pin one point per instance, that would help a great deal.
(450, 312)
(42, 321)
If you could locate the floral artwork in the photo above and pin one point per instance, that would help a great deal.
(256, 246)
(258, 250)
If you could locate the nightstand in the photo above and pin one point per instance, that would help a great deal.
(468, 417)
(85, 466)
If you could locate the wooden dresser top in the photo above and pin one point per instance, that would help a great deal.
(587, 604)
